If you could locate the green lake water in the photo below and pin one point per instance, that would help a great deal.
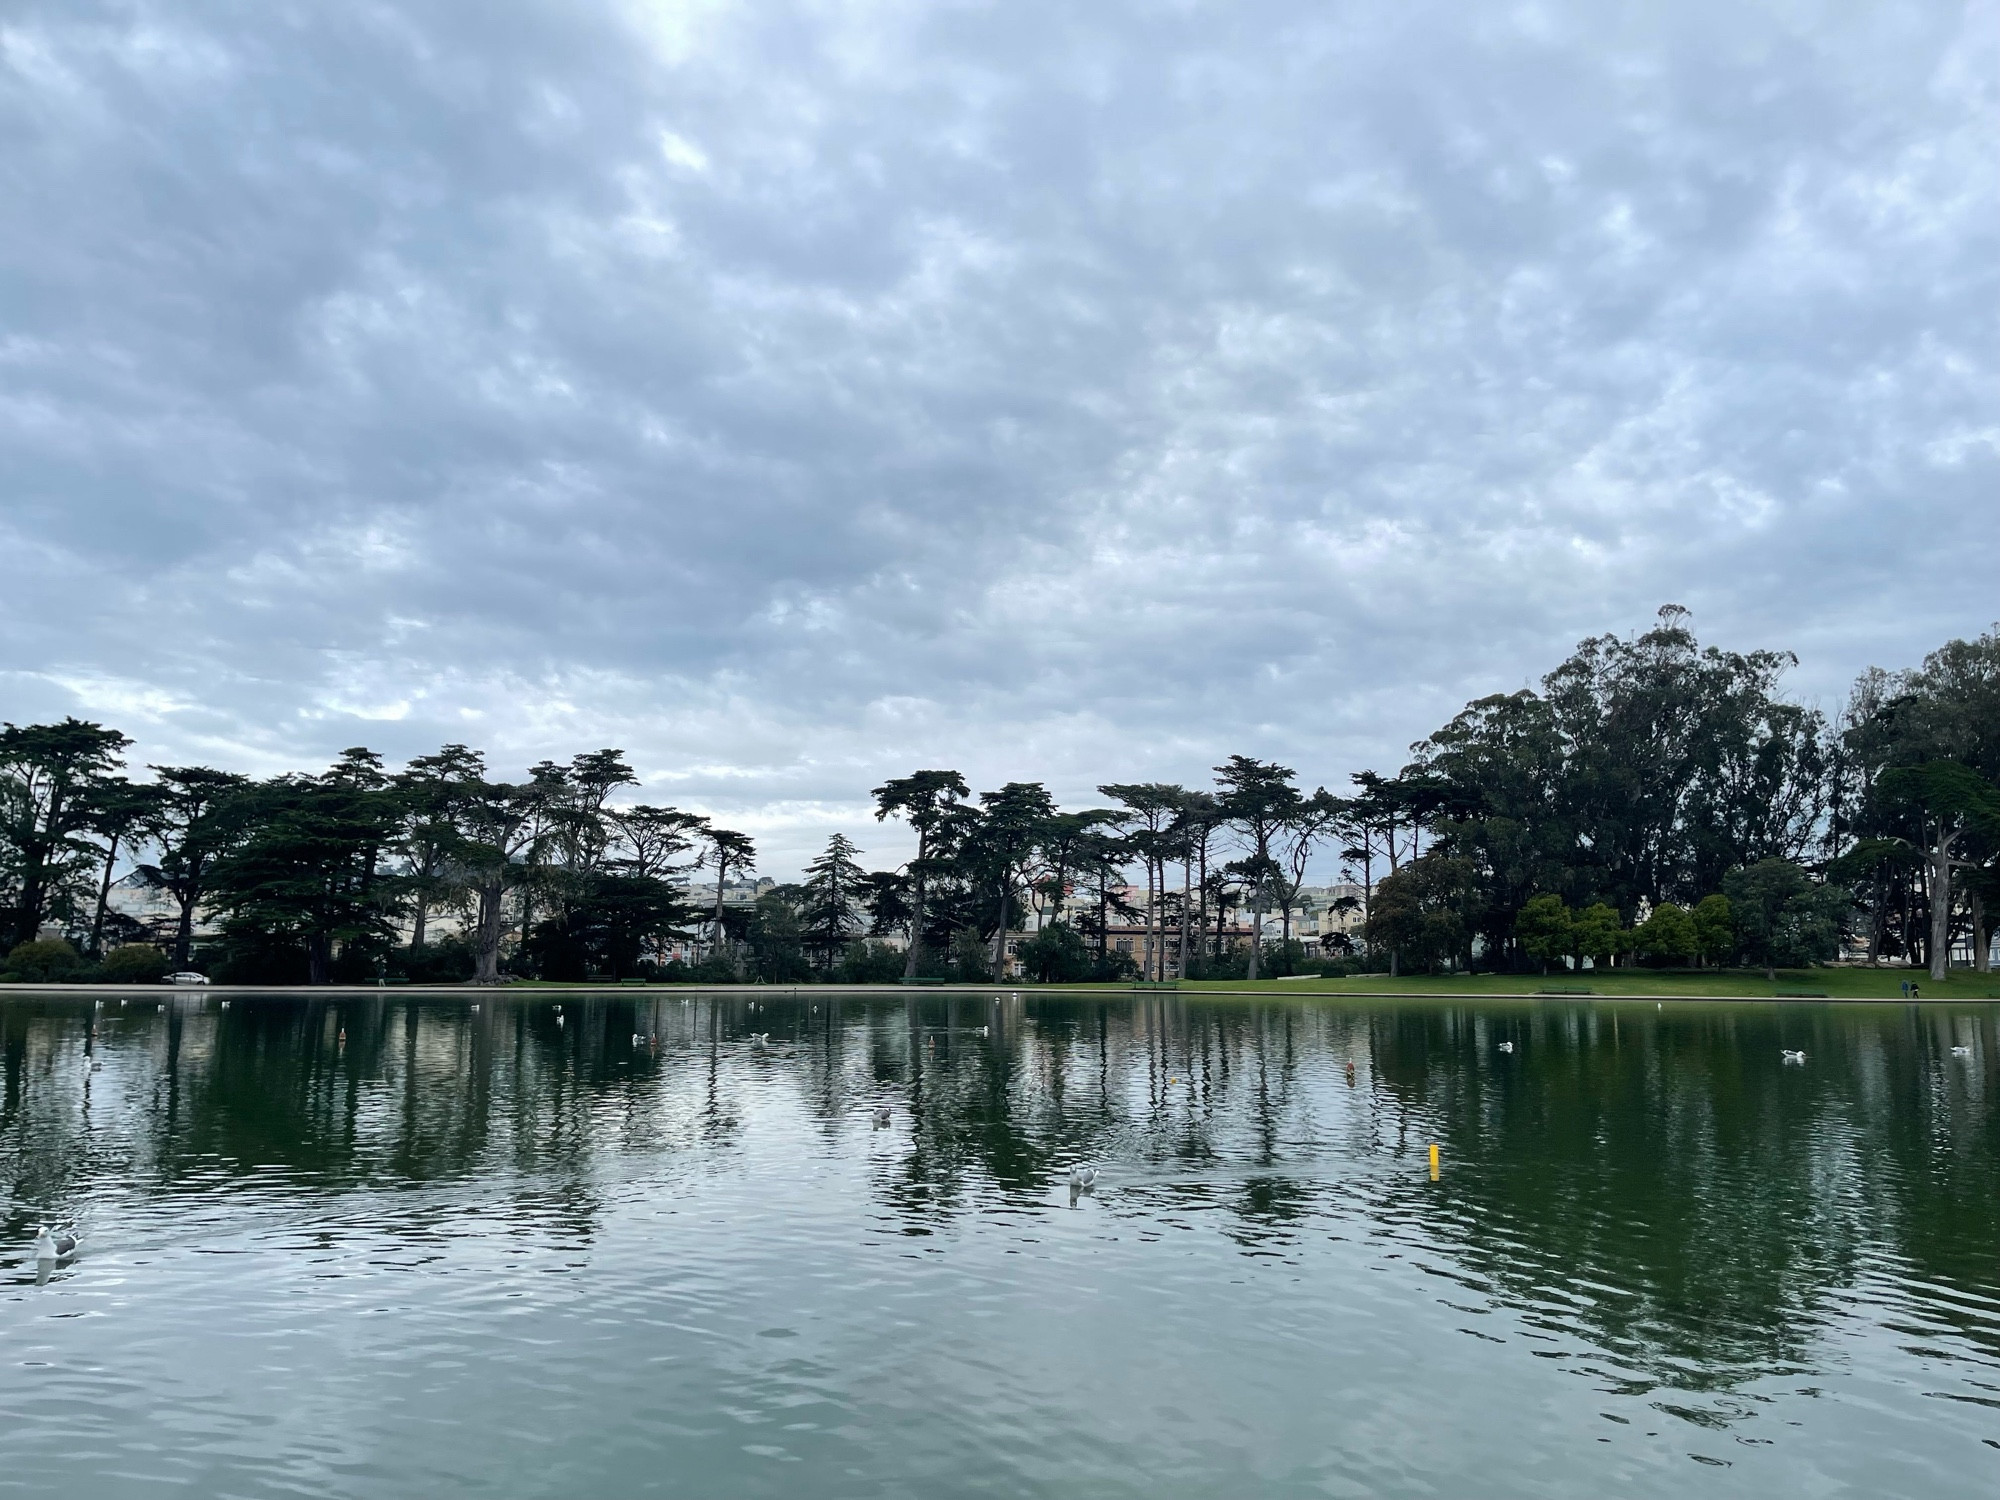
(404, 1246)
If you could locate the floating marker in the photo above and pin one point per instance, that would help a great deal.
(1434, 1161)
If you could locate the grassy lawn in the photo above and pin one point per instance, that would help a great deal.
(1836, 984)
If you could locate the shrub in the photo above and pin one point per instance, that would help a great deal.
(43, 961)
(870, 963)
(135, 963)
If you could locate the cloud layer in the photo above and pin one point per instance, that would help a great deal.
(795, 394)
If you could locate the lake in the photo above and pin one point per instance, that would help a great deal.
(546, 1245)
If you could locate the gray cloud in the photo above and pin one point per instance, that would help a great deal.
(794, 394)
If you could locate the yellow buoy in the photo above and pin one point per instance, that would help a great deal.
(1434, 1161)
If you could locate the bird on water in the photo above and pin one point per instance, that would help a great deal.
(52, 1247)
(881, 1115)
(1506, 1046)
(1794, 1057)
(1082, 1178)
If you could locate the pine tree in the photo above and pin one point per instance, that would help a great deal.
(834, 886)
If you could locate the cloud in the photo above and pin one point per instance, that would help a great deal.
(796, 394)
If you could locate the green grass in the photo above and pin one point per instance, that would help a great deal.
(1835, 984)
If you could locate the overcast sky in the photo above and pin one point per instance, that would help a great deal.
(799, 394)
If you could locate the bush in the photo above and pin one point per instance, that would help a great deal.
(135, 963)
(447, 961)
(43, 961)
(870, 963)
(1056, 955)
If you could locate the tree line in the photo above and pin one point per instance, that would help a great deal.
(1655, 801)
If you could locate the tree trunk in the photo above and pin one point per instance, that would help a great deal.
(417, 932)
(1256, 938)
(486, 968)
(1940, 873)
(914, 955)
(721, 877)
(1187, 902)
(103, 900)
(317, 958)
(1982, 956)
(184, 935)
(1000, 938)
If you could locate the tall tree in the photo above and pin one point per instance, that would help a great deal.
(1010, 829)
(1258, 800)
(120, 813)
(829, 914)
(727, 851)
(924, 800)
(307, 871)
(1152, 813)
(426, 792)
(201, 814)
(50, 776)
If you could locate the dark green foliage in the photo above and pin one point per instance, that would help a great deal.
(52, 780)
(831, 911)
(1783, 919)
(1057, 955)
(448, 960)
(1423, 914)
(1666, 936)
(1643, 771)
(869, 963)
(307, 874)
(43, 961)
(134, 963)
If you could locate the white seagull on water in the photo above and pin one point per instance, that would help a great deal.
(1794, 1057)
(53, 1247)
(1082, 1178)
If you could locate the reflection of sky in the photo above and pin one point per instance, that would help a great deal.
(485, 1186)
(797, 395)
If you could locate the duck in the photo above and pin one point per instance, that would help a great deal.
(1082, 1178)
(1506, 1046)
(50, 1246)
(1794, 1057)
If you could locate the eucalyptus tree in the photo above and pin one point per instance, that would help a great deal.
(50, 775)
(926, 801)
(1258, 800)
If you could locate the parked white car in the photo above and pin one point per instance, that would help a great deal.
(187, 976)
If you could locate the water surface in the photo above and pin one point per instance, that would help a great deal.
(396, 1246)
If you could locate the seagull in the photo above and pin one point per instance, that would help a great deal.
(559, 1019)
(1506, 1046)
(1794, 1057)
(881, 1115)
(1082, 1179)
(51, 1247)
(760, 1039)
(985, 1031)
(225, 1005)
(1961, 1052)
(475, 1005)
